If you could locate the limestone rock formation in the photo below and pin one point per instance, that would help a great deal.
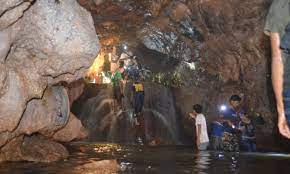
(42, 43)
(73, 130)
(35, 148)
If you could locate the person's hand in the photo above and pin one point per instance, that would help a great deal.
(191, 115)
(230, 123)
(283, 126)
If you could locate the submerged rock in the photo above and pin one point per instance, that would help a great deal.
(96, 167)
(35, 148)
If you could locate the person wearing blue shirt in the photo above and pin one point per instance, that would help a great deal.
(227, 122)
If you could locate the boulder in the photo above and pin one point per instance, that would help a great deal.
(73, 130)
(34, 148)
(96, 167)
(43, 45)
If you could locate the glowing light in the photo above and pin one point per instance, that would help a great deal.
(110, 57)
(125, 47)
(95, 73)
(191, 65)
(223, 107)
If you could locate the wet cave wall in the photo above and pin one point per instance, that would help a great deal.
(215, 49)
(43, 45)
(106, 122)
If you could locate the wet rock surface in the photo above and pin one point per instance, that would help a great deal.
(106, 121)
(103, 166)
(217, 47)
(42, 43)
(35, 149)
(73, 130)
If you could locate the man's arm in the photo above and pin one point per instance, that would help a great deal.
(222, 119)
(277, 82)
(198, 133)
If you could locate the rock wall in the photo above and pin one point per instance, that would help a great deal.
(43, 43)
(217, 47)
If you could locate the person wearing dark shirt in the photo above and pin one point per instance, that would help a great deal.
(217, 130)
(230, 115)
(248, 139)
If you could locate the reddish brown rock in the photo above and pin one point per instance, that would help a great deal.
(35, 148)
(42, 47)
(39, 149)
(75, 89)
(42, 43)
(73, 130)
(96, 167)
(46, 116)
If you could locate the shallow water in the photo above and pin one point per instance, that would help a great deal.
(151, 160)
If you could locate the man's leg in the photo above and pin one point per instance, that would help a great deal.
(245, 145)
(212, 143)
(203, 146)
(220, 143)
(140, 128)
(215, 143)
(253, 146)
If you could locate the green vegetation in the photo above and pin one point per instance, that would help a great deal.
(168, 79)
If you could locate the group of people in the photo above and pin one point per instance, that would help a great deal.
(120, 78)
(232, 130)
(234, 125)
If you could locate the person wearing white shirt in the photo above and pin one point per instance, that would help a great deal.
(202, 140)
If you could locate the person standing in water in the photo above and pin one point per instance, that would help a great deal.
(248, 139)
(202, 140)
(118, 85)
(139, 96)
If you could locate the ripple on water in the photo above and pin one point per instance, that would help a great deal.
(112, 158)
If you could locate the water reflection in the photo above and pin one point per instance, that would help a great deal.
(202, 162)
(113, 158)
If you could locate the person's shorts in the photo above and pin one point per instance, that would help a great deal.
(203, 146)
(286, 99)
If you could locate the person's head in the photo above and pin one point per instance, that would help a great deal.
(245, 118)
(197, 108)
(235, 101)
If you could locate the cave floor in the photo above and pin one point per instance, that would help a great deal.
(112, 158)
